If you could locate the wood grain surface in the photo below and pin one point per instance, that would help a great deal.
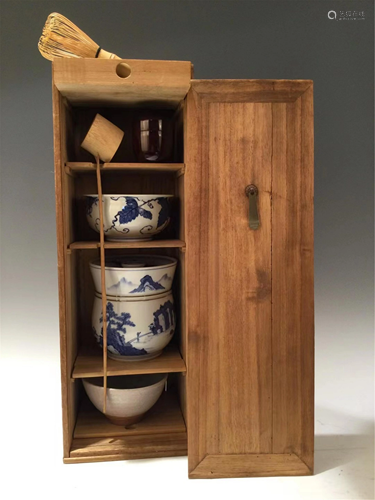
(162, 433)
(164, 417)
(64, 192)
(94, 81)
(251, 465)
(251, 90)
(128, 447)
(103, 139)
(81, 167)
(89, 363)
(229, 307)
(292, 278)
(249, 293)
(85, 245)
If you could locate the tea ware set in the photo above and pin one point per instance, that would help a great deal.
(140, 314)
(152, 138)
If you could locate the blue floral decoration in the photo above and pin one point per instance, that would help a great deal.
(131, 211)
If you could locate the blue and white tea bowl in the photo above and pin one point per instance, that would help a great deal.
(129, 217)
(137, 329)
(135, 275)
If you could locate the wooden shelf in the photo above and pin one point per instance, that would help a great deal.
(161, 433)
(178, 168)
(165, 416)
(89, 363)
(86, 245)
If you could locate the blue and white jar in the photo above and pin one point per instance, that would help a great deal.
(137, 328)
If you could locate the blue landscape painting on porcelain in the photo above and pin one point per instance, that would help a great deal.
(130, 276)
(137, 343)
(116, 329)
(153, 211)
(146, 284)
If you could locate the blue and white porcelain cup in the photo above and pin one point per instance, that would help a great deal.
(137, 328)
(135, 275)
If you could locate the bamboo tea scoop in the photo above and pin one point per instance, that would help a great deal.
(103, 139)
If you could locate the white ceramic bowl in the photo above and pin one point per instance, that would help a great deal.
(128, 397)
(137, 328)
(129, 216)
(135, 275)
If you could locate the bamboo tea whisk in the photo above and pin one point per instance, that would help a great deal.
(62, 38)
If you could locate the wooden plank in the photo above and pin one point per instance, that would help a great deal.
(89, 363)
(260, 465)
(94, 81)
(292, 279)
(229, 146)
(182, 382)
(61, 268)
(307, 280)
(164, 417)
(68, 342)
(84, 245)
(144, 167)
(129, 447)
(181, 130)
(251, 90)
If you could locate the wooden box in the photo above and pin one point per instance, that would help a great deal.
(242, 361)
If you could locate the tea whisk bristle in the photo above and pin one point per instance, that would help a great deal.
(62, 38)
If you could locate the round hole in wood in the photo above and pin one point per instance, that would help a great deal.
(123, 70)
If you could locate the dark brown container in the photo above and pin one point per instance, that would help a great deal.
(153, 137)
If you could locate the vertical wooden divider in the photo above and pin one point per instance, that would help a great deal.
(104, 293)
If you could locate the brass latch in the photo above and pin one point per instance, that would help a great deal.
(251, 192)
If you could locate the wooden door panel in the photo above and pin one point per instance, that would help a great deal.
(237, 278)
(292, 278)
(241, 367)
(230, 306)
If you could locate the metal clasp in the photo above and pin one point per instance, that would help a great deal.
(251, 192)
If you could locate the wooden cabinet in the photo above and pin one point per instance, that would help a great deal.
(242, 364)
